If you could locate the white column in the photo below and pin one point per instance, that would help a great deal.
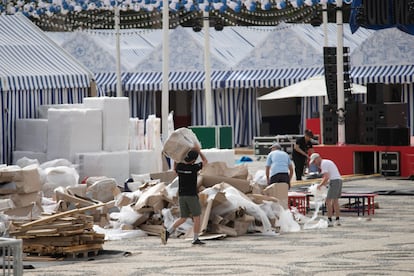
(323, 99)
(340, 73)
(207, 69)
(118, 53)
(165, 71)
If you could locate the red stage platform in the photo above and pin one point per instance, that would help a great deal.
(365, 159)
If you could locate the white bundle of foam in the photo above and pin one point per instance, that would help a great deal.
(220, 155)
(109, 164)
(31, 135)
(143, 161)
(179, 143)
(260, 178)
(73, 130)
(115, 121)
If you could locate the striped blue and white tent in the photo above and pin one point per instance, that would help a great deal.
(33, 71)
(247, 58)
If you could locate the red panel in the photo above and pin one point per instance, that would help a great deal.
(314, 124)
(343, 156)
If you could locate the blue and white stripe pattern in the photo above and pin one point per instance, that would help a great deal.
(235, 107)
(33, 71)
(268, 78)
(24, 104)
(180, 80)
(383, 74)
(30, 60)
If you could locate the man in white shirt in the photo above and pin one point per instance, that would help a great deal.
(331, 177)
(279, 168)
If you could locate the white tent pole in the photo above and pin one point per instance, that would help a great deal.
(340, 73)
(165, 72)
(323, 99)
(118, 53)
(207, 69)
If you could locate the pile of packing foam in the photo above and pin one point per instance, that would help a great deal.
(98, 136)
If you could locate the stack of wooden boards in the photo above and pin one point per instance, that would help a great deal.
(68, 233)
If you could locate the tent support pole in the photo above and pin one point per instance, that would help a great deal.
(165, 64)
(340, 73)
(207, 68)
(323, 99)
(118, 52)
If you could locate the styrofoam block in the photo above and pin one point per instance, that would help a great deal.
(115, 120)
(143, 161)
(40, 156)
(43, 109)
(73, 130)
(110, 164)
(220, 155)
(31, 135)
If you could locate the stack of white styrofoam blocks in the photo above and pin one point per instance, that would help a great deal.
(113, 159)
(73, 130)
(95, 135)
(31, 139)
(147, 160)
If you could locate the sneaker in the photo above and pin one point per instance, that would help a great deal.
(337, 222)
(198, 242)
(164, 236)
(330, 223)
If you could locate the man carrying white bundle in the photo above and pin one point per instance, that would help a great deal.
(331, 177)
(188, 194)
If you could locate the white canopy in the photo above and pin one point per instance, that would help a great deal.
(314, 86)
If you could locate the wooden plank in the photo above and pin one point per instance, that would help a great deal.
(81, 248)
(151, 229)
(60, 215)
(42, 232)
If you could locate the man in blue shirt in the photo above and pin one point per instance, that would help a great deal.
(278, 166)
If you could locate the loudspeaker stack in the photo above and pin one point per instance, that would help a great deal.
(330, 66)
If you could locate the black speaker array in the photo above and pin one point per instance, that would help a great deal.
(330, 66)
(330, 124)
(393, 136)
(368, 124)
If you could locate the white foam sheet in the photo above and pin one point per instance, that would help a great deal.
(115, 120)
(110, 164)
(39, 156)
(43, 109)
(143, 161)
(220, 155)
(31, 135)
(73, 130)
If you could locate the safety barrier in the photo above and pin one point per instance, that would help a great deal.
(11, 256)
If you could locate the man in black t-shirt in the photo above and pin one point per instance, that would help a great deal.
(300, 153)
(187, 172)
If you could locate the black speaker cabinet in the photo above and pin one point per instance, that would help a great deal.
(375, 93)
(330, 124)
(391, 115)
(393, 136)
(367, 134)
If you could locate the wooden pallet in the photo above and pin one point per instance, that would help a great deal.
(69, 234)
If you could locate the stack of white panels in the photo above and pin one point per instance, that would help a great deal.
(73, 130)
(115, 120)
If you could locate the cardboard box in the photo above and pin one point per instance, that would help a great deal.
(166, 177)
(240, 184)
(279, 191)
(22, 200)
